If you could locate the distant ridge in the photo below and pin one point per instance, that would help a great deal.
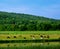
(26, 22)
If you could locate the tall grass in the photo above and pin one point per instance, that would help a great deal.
(33, 47)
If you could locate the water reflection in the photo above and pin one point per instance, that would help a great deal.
(29, 45)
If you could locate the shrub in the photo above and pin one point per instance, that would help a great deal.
(8, 37)
(24, 37)
(48, 36)
(14, 36)
(44, 36)
(41, 36)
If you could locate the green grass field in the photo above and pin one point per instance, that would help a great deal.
(29, 32)
(29, 35)
(54, 45)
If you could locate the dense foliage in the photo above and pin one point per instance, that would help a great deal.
(25, 22)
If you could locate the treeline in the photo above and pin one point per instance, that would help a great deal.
(25, 22)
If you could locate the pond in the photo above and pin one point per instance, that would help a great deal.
(45, 45)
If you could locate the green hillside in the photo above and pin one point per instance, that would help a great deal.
(26, 22)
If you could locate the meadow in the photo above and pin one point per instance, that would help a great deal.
(46, 45)
(29, 35)
(29, 32)
(29, 39)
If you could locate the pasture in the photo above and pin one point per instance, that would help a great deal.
(29, 35)
(48, 45)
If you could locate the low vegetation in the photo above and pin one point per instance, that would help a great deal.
(48, 45)
(29, 35)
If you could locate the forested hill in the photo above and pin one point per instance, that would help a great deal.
(22, 22)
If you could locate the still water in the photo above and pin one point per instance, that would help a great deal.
(45, 45)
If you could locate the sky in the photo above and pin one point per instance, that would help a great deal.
(46, 8)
